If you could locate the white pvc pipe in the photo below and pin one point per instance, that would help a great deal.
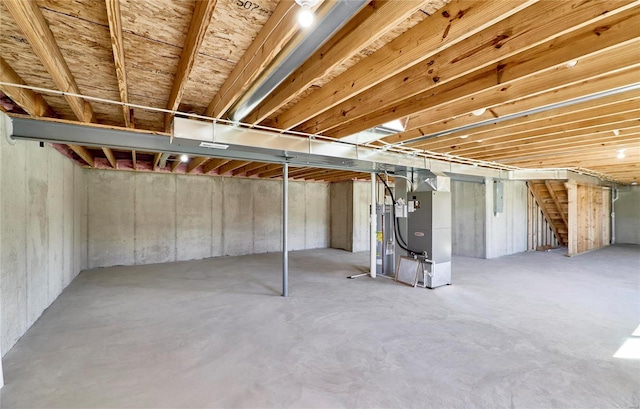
(372, 239)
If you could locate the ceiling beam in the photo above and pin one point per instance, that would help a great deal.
(247, 168)
(375, 20)
(214, 164)
(569, 92)
(156, 161)
(600, 109)
(549, 135)
(108, 153)
(33, 103)
(200, 20)
(495, 45)
(273, 170)
(453, 23)
(176, 162)
(195, 163)
(497, 68)
(33, 25)
(84, 154)
(117, 44)
(263, 169)
(231, 166)
(273, 37)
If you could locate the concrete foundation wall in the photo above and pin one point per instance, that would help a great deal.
(350, 215)
(43, 228)
(506, 232)
(467, 219)
(143, 218)
(477, 231)
(627, 216)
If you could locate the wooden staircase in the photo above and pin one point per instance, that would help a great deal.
(552, 197)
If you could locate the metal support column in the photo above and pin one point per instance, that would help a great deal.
(373, 227)
(285, 226)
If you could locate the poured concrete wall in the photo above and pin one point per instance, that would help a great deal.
(143, 218)
(42, 220)
(627, 216)
(350, 215)
(467, 219)
(506, 232)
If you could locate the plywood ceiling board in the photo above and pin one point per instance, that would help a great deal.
(205, 80)
(162, 21)
(150, 70)
(82, 44)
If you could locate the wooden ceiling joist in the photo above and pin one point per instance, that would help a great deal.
(195, 163)
(263, 169)
(501, 69)
(117, 44)
(29, 18)
(458, 20)
(200, 20)
(28, 100)
(156, 161)
(275, 34)
(588, 87)
(84, 154)
(214, 164)
(247, 168)
(231, 166)
(372, 22)
(596, 112)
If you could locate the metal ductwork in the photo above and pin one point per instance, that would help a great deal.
(295, 54)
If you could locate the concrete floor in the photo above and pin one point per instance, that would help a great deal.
(526, 331)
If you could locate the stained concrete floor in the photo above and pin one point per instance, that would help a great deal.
(531, 330)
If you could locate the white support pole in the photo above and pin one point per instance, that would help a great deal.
(372, 239)
(285, 227)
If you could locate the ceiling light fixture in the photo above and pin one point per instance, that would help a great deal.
(572, 63)
(464, 136)
(184, 158)
(616, 132)
(479, 112)
(213, 145)
(621, 154)
(305, 15)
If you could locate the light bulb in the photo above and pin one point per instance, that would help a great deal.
(479, 112)
(184, 158)
(305, 17)
(621, 154)
(464, 136)
(572, 63)
(616, 132)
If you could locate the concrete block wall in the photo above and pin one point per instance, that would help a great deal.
(143, 218)
(627, 216)
(43, 229)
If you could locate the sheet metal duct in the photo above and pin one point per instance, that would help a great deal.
(337, 16)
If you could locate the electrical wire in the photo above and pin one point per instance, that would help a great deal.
(401, 242)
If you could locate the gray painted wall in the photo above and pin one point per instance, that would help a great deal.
(42, 214)
(143, 218)
(627, 211)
